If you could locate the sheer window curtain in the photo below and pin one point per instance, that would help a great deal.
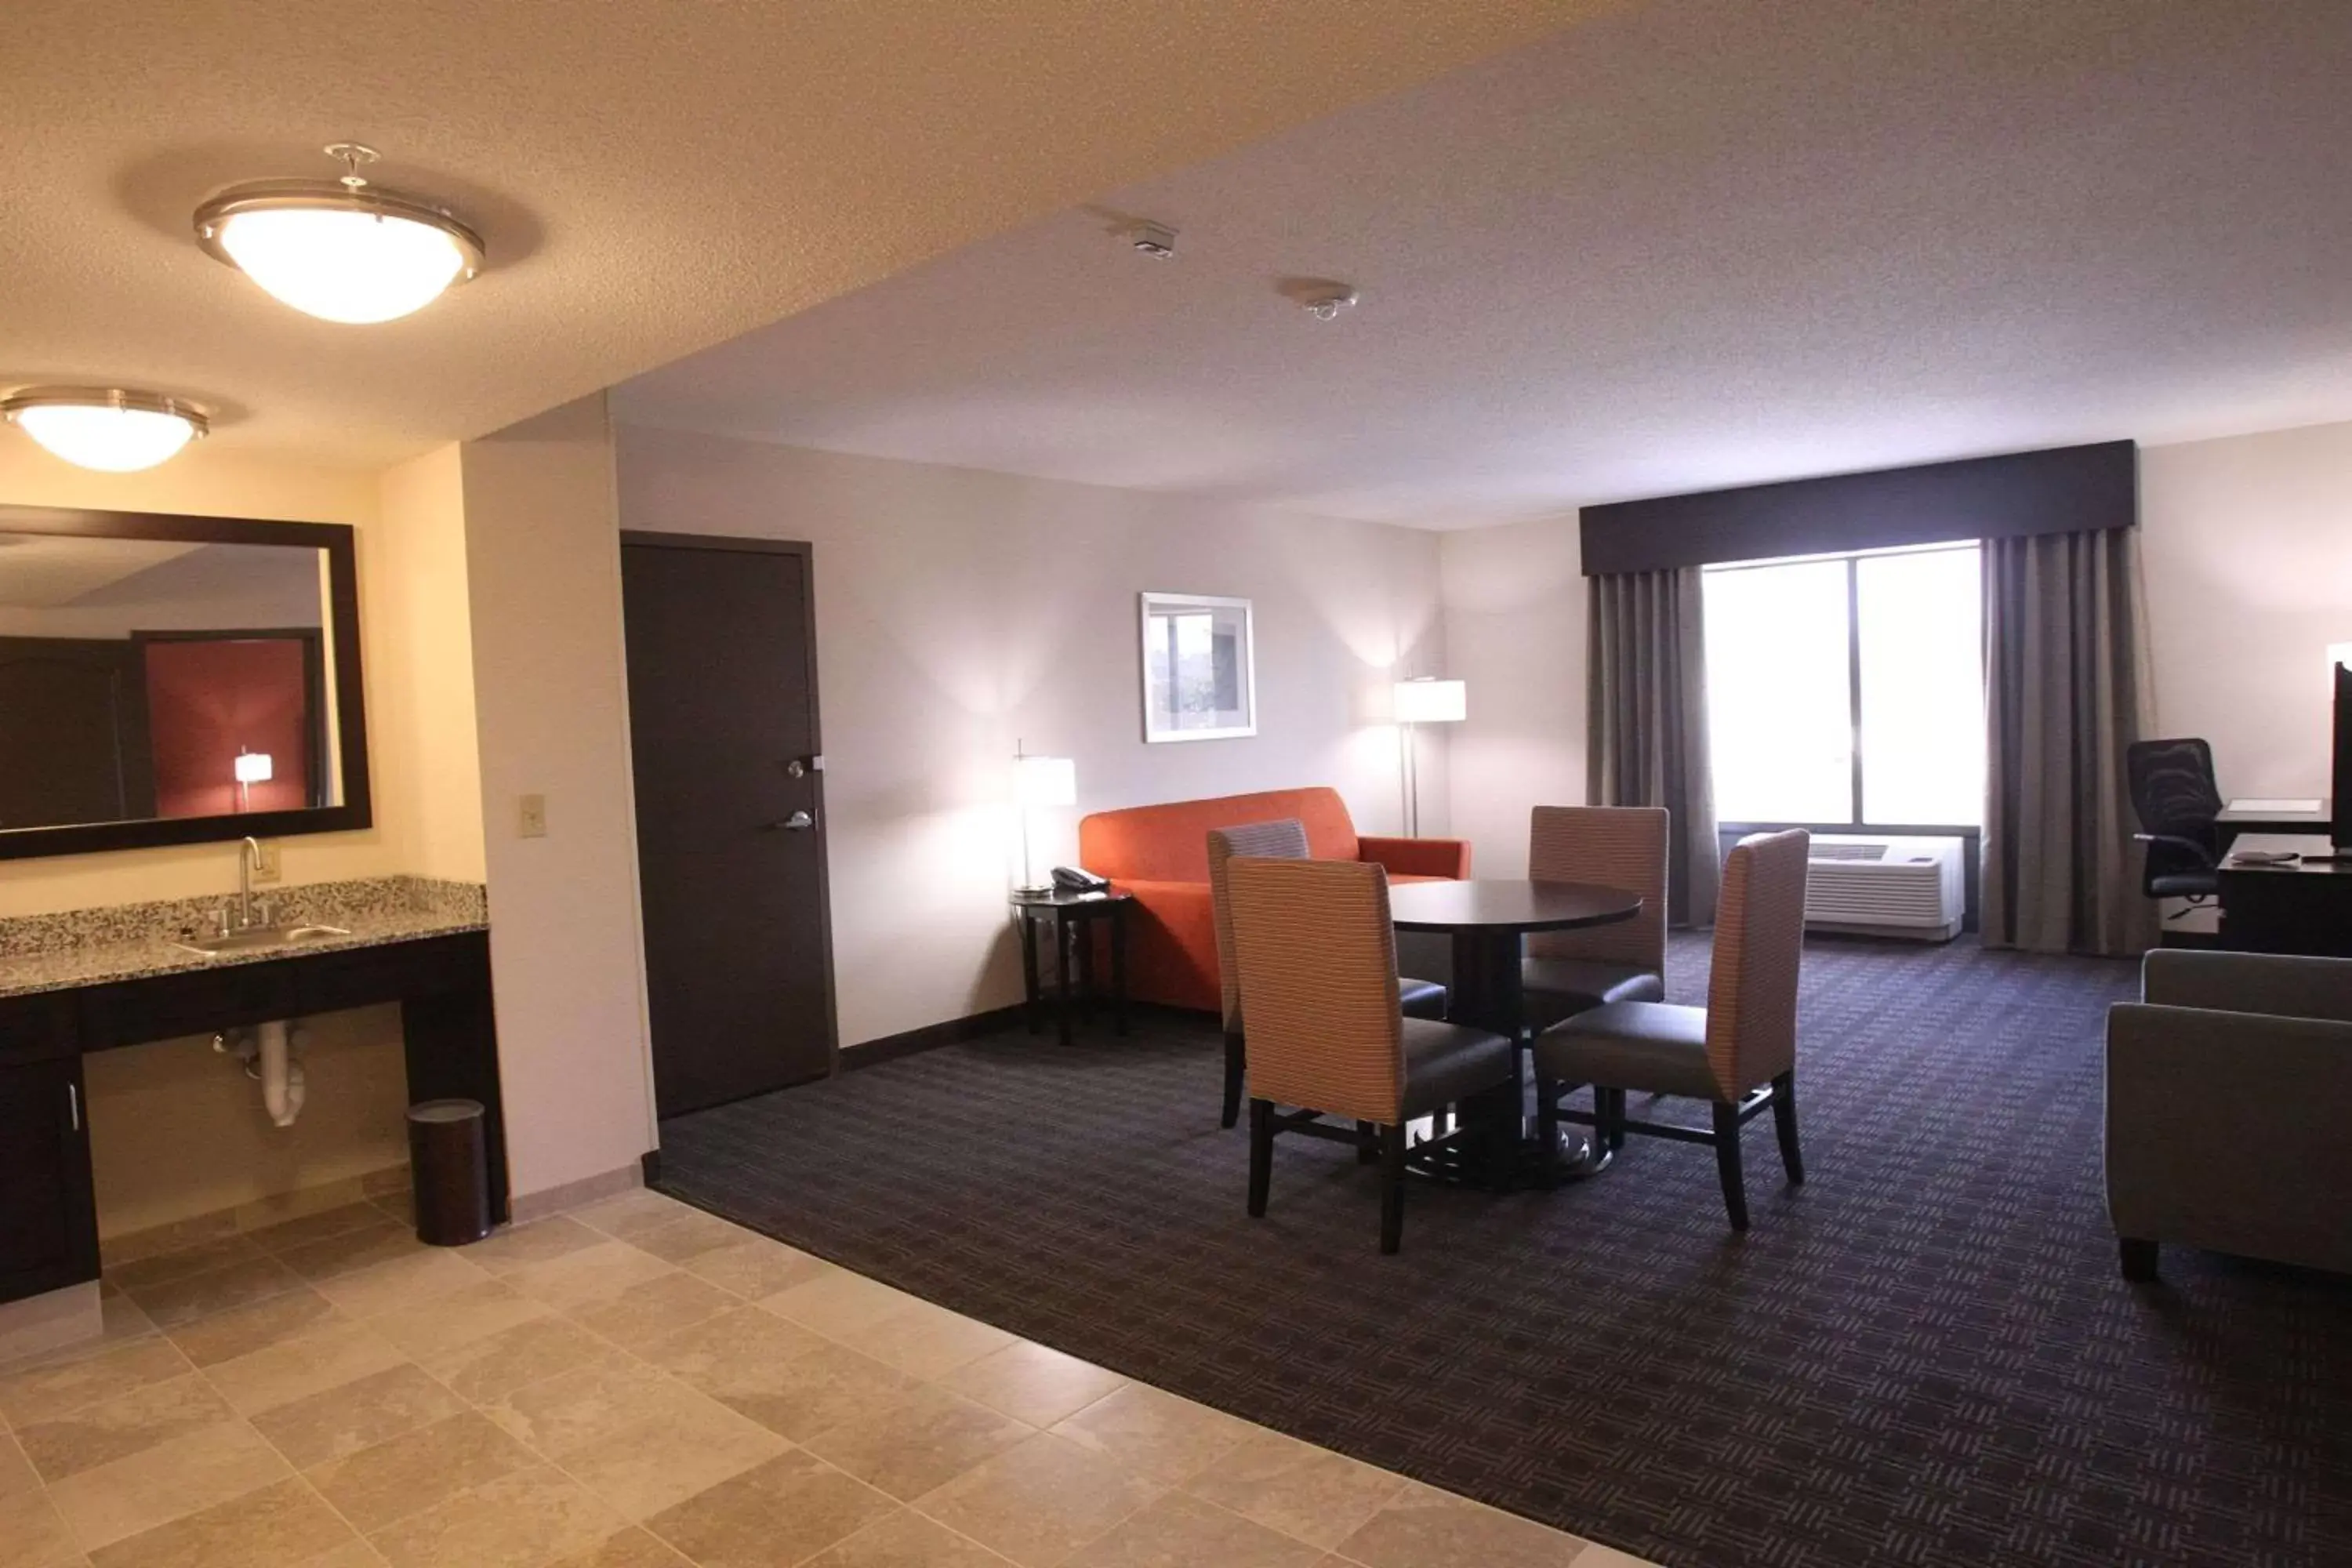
(1646, 720)
(2063, 696)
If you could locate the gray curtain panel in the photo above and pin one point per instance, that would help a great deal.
(1645, 716)
(2063, 699)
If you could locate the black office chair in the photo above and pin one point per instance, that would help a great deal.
(2178, 804)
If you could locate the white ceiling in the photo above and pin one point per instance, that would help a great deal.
(652, 177)
(42, 571)
(1697, 243)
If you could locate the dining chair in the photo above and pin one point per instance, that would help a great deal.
(1317, 956)
(1570, 972)
(1738, 1053)
(1281, 840)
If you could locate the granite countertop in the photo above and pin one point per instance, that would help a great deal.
(132, 941)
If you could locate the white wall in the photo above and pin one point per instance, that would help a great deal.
(2246, 546)
(422, 612)
(959, 611)
(543, 566)
(1514, 629)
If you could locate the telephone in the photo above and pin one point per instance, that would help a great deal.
(1071, 879)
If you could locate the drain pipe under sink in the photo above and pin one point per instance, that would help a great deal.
(281, 1075)
(269, 1061)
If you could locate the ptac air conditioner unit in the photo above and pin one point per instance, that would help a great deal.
(1885, 887)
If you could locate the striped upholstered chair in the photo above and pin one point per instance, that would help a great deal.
(1568, 972)
(1738, 1053)
(1317, 956)
(1283, 840)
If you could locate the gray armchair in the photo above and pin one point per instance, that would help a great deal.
(2229, 1109)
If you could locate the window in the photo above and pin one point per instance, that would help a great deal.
(1846, 691)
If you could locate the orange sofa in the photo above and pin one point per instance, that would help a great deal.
(1160, 854)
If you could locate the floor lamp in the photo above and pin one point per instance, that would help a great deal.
(1039, 781)
(1427, 701)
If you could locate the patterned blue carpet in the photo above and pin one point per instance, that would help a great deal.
(1923, 1356)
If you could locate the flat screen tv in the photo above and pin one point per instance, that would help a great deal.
(2340, 780)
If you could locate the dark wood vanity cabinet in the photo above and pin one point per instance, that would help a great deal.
(48, 1228)
(48, 1223)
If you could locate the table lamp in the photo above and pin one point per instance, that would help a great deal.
(1425, 700)
(252, 768)
(1039, 781)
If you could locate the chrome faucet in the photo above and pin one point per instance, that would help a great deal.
(248, 861)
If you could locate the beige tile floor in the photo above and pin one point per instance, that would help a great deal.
(639, 1384)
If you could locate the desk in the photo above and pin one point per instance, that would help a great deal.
(2298, 907)
(2234, 821)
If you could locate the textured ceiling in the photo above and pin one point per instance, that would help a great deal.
(652, 177)
(1693, 243)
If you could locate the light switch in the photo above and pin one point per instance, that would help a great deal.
(533, 823)
(267, 868)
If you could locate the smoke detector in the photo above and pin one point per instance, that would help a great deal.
(1156, 240)
(1327, 307)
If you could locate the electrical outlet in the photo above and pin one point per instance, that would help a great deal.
(533, 823)
(267, 869)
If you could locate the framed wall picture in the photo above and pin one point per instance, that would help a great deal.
(1199, 673)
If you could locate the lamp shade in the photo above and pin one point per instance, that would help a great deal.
(1427, 701)
(1044, 781)
(253, 767)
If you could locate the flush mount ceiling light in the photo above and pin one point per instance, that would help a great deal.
(341, 250)
(107, 428)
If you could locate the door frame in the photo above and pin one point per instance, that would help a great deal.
(642, 538)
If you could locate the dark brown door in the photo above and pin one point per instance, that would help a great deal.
(730, 815)
(75, 704)
(48, 1228)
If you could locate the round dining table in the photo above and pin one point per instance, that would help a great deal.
(1487, 919)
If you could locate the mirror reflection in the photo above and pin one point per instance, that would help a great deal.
(151, 678)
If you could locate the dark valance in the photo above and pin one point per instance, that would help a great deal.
(2066, 489)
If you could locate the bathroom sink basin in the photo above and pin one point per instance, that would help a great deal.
(252, 937)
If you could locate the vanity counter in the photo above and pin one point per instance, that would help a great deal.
(106, 963)
(96, 980)
(134, 941)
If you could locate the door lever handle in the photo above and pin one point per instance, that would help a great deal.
(798, 822)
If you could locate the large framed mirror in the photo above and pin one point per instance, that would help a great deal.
(171, 680)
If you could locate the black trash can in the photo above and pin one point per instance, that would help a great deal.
(449, 1166)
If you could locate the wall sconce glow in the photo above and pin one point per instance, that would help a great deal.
(343, 249)
(252, 768)
(1039, 781)
(107, 428)
(1428, 701)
